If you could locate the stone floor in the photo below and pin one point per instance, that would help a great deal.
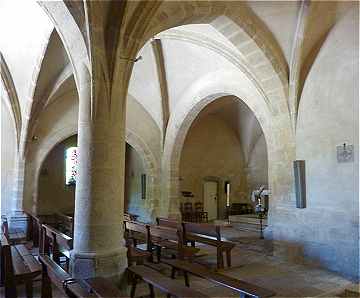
(253, 262)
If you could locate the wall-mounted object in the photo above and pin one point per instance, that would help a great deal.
(143, 186)
(300, 183)
(345, 153)
(227, 191)
(187, 194)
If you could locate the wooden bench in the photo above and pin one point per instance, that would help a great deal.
(18, 266)
(52, 273)
(14, 237)
(74, 288)
(245, 289)
(167, 222)
(57, 243)
(64, 223)
(130, 217)
(172, 241)
(209, 234)
(133, 232)
(161, 282)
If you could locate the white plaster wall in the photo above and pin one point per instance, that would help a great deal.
(144, 83)
(329, 226)
(143, 125)
(8, 155)
(280, 18)
(24, 31)
(185, 63)
(257, 166)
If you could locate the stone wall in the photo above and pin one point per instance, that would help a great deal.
(53, 194)
(134, 168)
(8, 155)
(327, 230)
(212, 149)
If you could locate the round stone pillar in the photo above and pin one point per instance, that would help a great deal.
(98, 233)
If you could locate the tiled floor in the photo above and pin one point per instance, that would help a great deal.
(253, 262)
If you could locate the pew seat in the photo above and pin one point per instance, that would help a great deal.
(18, 266)
(244, 289)
(164, 284)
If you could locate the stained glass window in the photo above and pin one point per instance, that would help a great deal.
(71, 158)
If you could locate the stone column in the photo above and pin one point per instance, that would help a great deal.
(19, 172)
(98, 236)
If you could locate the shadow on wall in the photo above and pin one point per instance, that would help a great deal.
(135, 185)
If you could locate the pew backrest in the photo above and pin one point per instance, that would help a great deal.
(5, 227)
(163, 235)
(203, 229)
(167, 222)
(64, 222)
(132, 228)
(54, 274)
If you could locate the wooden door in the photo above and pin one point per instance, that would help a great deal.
(211, 199)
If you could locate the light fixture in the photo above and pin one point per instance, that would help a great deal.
(133, 60)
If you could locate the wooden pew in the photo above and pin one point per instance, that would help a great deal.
(54, 274)
(171, 240)
(56, 242)
(18, 266)
(209, 234)
(134, 231)
(161, 282)
(244, 289)
(14, 237)
(167, 222)
(130, 217)
(64, 223)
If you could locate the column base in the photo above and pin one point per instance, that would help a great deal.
(105, 264)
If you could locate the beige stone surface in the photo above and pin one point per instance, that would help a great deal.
(294, 64)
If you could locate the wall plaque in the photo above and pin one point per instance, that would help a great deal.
(345, 153)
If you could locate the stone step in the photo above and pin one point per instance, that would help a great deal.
(247, 219)
(247, 227)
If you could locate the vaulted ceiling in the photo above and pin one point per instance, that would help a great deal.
(171, 62)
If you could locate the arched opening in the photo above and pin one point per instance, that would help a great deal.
(55, 194)
(135, 184)
(224, 145)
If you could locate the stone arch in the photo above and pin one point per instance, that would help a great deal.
(32, 103)
(239, 25)
(277, 131)
(135, 141)
(10, 97)
(43, 152)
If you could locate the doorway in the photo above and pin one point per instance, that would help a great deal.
(211, 200)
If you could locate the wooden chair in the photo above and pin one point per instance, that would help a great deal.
(18, 266)
(200, 215)
(188, 212)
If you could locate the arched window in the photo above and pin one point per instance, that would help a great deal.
(71, 158)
